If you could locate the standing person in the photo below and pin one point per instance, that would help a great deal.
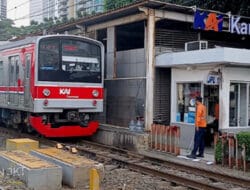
(200, 129)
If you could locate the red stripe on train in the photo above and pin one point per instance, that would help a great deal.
(68, 92)
(12, 88)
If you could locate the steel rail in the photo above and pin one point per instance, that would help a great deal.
(133, 165)
(184, 181)
(216, 176)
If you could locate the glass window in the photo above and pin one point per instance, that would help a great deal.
(14, 72)
(186, 93)
(49, 55)
(81, 61)
(11, 71)
(27, 64)
(242, 105)
(239, 105)
(17, 68)
(69, 60)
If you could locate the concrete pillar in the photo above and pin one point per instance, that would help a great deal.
(111, 53)
(150, 68)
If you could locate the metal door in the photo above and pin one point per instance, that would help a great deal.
(13, 77)
(27, 80)
(11, 80)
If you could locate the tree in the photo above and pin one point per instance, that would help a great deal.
(7, 30)
(238, 7)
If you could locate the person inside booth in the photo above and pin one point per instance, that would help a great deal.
(216, 115)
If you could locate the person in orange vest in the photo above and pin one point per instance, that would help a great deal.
(200, 129)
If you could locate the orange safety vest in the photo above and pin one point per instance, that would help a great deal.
(200, 115)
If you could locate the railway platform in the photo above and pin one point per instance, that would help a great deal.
(75, 168)
(37, 174)
(139, 142)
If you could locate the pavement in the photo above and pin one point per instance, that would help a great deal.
(208, 155)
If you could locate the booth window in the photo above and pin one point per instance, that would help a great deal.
(239, 107)
(186, 93)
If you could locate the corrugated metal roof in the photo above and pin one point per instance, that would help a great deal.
(122, 12)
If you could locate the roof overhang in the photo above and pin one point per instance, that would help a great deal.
(126, 11)
(208, 57)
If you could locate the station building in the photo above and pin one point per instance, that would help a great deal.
(160, 56)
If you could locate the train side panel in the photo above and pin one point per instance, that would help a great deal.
(14, 84)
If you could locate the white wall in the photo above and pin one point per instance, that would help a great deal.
(229, 74)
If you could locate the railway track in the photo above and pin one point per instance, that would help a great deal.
(176, 173)
(183, 175)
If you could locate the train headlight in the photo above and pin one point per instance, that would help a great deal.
(95, 93)
(46, 92)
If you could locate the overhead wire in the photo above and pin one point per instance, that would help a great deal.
(17, 6)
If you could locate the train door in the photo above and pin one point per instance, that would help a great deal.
(27, 79)
(13, 90)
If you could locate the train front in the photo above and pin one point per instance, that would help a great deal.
(68, 86)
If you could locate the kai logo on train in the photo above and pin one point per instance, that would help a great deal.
(64, 91)
(208, 21)
(214, 22)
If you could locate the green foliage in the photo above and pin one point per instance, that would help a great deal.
(238, 7)
(79, 14)
(7, 30)
(244, 138)
(218, 151)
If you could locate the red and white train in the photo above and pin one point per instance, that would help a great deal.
(52, 84)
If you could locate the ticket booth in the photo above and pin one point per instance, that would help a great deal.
(217, 75)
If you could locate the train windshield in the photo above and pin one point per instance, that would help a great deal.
(69, 60)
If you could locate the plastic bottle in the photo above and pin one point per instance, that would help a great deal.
(132, 125)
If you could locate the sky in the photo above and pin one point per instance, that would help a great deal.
(17, 10)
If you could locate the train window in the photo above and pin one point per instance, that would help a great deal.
(49, 54)
(17, 68)
(81, 59)
(69, 60)
(27, 64)
(13, 70)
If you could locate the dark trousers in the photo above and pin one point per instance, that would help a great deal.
(199, 141)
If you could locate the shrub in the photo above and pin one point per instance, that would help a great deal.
(244, 138)
(218, 151)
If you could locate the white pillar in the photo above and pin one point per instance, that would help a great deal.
(150, 69)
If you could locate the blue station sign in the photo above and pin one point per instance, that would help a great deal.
(211, 21)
